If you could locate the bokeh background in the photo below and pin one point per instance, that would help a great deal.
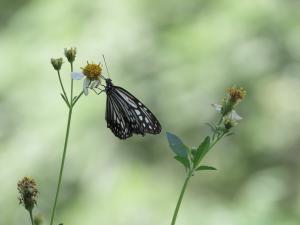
(178, 57)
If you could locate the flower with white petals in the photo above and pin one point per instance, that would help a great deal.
(91, 74)
(231, 115)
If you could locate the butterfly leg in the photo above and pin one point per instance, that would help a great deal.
(98, 93)
(94, 91)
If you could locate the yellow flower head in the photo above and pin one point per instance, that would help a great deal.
(92, 71)
(236, 94)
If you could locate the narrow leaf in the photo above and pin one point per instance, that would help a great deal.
(229, 134)
(205, 168)
(184, 161)
(177, 145)
(201, 151)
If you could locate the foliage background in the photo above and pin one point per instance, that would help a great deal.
(178, 57)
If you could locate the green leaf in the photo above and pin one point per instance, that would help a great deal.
(177, 145)
(184, 161)
(201, 151)
(205, 168)
(194, 152)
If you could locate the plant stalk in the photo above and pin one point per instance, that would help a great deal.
(62, 87)
(180, 199)
(31, 218)
(71, 105)
(62, 164)
(186, 183)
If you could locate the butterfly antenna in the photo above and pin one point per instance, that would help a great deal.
(105, 65)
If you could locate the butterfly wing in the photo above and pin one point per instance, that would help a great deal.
(140, 119)
(115, 119)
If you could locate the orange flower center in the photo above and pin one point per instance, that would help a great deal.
(92, 71)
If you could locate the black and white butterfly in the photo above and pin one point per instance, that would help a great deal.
(126, 115)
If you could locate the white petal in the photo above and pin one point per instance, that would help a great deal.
(77, 75)
(217, 107)
(97, 83)
(86, 84)
(234, 116)
(94, 84)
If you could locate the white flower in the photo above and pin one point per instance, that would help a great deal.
(232, 115)
(77, 75)
(87, 83)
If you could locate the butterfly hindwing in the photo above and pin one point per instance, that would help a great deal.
(140, 117)
(115, 119)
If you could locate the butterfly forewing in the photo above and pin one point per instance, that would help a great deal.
(136, 117)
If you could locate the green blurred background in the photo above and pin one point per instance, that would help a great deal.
(178, 57)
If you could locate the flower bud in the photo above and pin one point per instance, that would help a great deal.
(28, 193)
(38, 220)
(56, 63)
(70, 54)
(229, 123)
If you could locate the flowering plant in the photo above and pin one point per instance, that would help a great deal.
(191, 158)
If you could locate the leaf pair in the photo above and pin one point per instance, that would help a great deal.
(189, 158)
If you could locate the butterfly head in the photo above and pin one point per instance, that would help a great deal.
(109, 84)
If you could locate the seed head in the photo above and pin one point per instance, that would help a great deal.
(28, 193)
(236, 94)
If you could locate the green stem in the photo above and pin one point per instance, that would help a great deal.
(186, 182)
(31, 218)
(71, 97)
(62, 164)
(64, 151)
(77, 98)
(180, 199)
(62, 87)
(216, 141)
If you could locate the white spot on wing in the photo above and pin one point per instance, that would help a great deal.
(127, 99)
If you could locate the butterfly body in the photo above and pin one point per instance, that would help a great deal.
(126, 115)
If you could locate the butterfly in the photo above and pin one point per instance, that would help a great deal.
(126, 115)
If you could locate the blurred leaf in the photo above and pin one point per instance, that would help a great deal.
(202, 150)
(194, 152)
(205, 168)
(212, 127)
(177, 145)
(183, 160)
(229, 134)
